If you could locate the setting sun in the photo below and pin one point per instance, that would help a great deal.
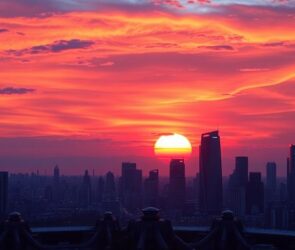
(172, 145)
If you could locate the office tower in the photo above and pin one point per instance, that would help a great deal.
(100, 189)
(210, 197)
(291, 175)
(255, 194)
(237, 186)
(177, 184)
(151, 189)
(56, 184)
(86, 191)
(110, 200)
(271, 181)
(131, 186)
(3, 193)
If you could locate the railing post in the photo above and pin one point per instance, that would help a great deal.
(151, 232)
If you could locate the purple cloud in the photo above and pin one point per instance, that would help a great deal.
(15, 91)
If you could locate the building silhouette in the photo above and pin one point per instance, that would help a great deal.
(110, 200)
(210, 197)
(3, 193)
(291, 175)
(237, 186)
(151, 189)
(255, 194)
(271, 181)
(56, 184)
(131, 186)
(85, 198)
(177, 184)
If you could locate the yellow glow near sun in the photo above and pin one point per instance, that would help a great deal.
(174, 144)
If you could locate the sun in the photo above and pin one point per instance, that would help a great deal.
(173, 145)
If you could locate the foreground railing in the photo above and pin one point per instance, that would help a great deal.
(150, 232)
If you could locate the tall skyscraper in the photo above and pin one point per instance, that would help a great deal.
(237, 186)
(151, 189)
(177, 184)
(110, 199)
(291, 175)
(131, 186)
(271, 181)
(210, 198)
(86, 190)
(255, 194)
(56, 184)
(3, 193)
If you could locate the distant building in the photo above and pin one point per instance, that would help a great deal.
(177, 184)
(3, 193)
(271, 181)
(291, 175)
(151, 189)
(237, 186)
(56, 184)
(110, 200)
(210, 197)
(86, 191)
(131, 186)
(100, 189)
(255, 194)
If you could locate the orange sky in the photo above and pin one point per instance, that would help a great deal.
(86, 81)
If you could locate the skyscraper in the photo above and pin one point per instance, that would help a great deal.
(255, 194)
(56, 184)
(210, 198)
(3, 193)
(237, 186)
(151, 189)
(86, 190)
(177, 184)
(291, 175)
(131, 186)
(271, 181)
(110, 200)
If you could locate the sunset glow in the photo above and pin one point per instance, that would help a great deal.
(105, 79)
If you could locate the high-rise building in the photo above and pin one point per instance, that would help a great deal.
(56, 184)
(271, 181)
(86, 190)
(3, 193)
(131, 186)
(255, 194)
(110, 200)
(291, 175)
(210, 197)
(151, 189)
(177, 184)
(237, 186)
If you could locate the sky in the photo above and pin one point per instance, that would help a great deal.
(92, 83)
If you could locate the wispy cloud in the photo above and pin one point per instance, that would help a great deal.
(15, 91)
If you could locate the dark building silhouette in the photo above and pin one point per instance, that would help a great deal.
(110, 200)
(86, 191)
(255, 194)
(100, 189)
(237, 186)
(291, 175)
(3, 193)
(131, 186)
(56, 184)
(210, 198)
(271, 181)
(151, 189)
(177, 184)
